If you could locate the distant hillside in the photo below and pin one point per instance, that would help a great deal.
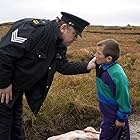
(4, 28)
(134, 30)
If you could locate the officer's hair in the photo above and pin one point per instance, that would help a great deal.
(111, 48)
(61, 22)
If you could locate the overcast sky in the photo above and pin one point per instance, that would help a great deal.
(97, 12)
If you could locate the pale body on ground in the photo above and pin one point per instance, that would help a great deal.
(92, 134)
(88, 133)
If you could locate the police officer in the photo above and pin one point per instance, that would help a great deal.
(30, 54)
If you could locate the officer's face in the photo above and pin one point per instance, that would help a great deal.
(68, 34)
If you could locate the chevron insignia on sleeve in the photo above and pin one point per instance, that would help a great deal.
(16, 38)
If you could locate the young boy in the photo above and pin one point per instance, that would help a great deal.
(112, 90)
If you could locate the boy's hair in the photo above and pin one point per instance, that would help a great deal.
(111, 48)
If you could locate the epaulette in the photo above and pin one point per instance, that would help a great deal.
(39, 22)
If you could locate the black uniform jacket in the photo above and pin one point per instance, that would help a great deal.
(30, 54)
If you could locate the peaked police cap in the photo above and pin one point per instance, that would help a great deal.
(78, 23)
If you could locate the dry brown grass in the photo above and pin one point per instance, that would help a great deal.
(71, 102)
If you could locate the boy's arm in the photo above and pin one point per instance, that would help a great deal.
(122, 97)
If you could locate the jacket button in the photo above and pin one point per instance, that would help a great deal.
(50, 68)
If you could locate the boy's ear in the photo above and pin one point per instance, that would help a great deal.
(109, 59)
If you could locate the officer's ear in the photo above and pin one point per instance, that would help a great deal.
(63, 27)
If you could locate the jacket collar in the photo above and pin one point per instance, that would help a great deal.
(106, 66)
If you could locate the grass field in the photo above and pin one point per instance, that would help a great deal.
(72, 102)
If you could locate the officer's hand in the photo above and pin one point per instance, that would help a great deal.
(91, 64)
(6, 94)
(119, 124)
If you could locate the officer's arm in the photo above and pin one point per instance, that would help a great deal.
(8, 57)
(9, 54)
(69, 67)
(19, 40)
(72, 68)
(12, 48)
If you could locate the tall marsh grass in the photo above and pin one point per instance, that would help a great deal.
(71, 102)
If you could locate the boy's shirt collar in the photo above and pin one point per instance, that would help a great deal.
(106, 66)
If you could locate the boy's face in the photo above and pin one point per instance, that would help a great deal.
(100, 57)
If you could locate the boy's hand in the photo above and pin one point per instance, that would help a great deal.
(119, 124)
(6, 94)
(91, 64)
